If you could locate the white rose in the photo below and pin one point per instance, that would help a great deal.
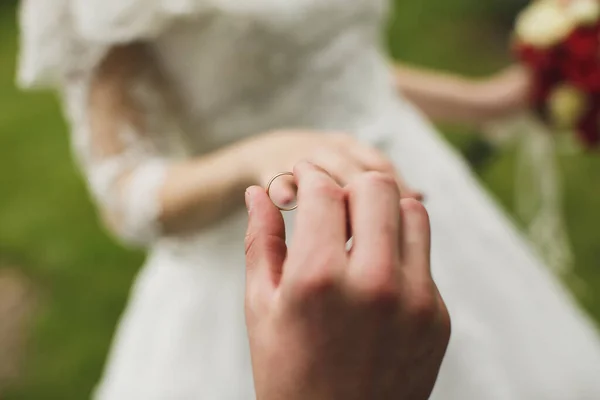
(566, 106)
(584, 12)
(544, 24)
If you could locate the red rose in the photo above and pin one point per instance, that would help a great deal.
(535, 58)
(583, 44)
(574, 61)
(588, 129)
(583, 74)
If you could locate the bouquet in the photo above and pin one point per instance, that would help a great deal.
(558, 41)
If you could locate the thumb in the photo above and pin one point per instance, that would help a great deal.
(265, 244)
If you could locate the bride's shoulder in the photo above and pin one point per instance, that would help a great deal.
(62, 33)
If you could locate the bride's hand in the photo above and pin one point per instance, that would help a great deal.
(505, 93)
(342, 156)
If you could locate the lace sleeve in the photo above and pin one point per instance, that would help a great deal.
(48, 29)
(123, 139)
(45, 32)
(120, 21)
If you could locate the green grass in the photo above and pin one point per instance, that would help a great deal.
(48, 225)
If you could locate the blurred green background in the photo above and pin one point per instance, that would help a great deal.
(49, 229)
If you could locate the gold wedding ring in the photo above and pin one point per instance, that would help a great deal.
(273, 179)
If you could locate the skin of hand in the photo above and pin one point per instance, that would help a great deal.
(326, 323)
(507, 92)
(342, 156)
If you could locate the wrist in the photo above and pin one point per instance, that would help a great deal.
(229, 165)
(491, 101)
(506, 94)
(248, 156)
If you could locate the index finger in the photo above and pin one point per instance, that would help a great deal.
(321, 216)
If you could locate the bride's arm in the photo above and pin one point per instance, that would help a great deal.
(454, 99)
(121, 116)
(142, 194)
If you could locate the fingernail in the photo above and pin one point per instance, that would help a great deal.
(248, 201)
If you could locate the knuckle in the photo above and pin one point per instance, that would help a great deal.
(302, 166)
(380, 294)
(445, 327)
(327, 188)
(378, 162)
(444, 322)
(319, 279)
(422, 310)
(417, 211)
(377, 179)
(268, 243)
(414, 206)
(249, 244)
(314, 286)
(379, 287)
(384, 165)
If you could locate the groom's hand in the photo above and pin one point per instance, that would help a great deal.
(325, 323)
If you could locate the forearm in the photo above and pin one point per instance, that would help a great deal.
(159, 198)
(453, 99)
(199, 192)
(441, 97)
(142, 192)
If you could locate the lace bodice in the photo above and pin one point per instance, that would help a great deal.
(237, 69)
(297, 65)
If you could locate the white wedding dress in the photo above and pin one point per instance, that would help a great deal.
(246, 66)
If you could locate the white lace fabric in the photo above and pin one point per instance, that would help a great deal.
(125, 165)
(126, 162)
(45, 36)
(64, 42)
